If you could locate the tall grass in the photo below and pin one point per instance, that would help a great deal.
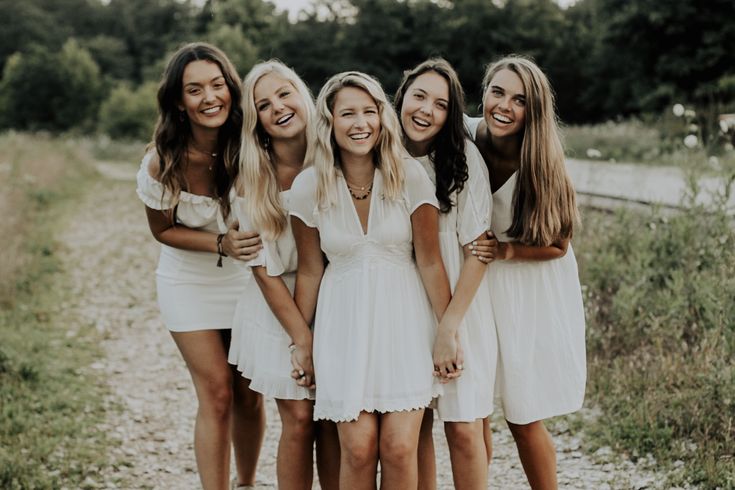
(660, 301)
(49, 405)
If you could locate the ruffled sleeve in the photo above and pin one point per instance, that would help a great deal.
(151, 191)
(418, 188)
(268, 256)
(302, 201)
(474, 203)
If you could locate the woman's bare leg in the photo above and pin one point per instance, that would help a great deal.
(537, 453)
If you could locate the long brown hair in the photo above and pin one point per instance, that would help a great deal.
(447, 148)
(173, 132)
(544, 203)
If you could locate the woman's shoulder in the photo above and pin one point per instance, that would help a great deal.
(305, 179)
(475, 162)
(471, 123)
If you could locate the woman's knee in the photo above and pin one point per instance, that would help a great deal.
(215, 394)
(465, 437)
(359, 453)
(297, 417)
(397, 450)
(527, 433)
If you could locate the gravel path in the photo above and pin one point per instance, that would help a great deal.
(111, 256)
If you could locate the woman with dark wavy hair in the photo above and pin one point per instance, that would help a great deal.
(430, 103)
(186, 182)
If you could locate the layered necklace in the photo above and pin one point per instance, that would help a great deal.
(359, 192)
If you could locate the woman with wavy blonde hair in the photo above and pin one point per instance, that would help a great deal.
(534, 284)
(368, 207)
(268, 327)
(185, 181)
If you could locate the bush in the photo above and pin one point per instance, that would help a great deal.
(661, 337)
(53, 91)
(130, 113)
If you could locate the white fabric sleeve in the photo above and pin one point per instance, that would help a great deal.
(418, 188)
(268, 256)
(471, 124)
(151, 191)
(302, 202)
(474, 203)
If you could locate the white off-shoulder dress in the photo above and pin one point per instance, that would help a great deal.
(259, 346)
(374, 326)
(193, 293)
(470, 396)
(540, 323)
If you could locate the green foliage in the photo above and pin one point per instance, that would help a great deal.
(130, 113)
(50, 90)
(661, 337)
(239, 49)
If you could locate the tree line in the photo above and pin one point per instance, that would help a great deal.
(93, 64)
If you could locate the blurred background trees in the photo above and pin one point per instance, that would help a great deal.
(607, 59)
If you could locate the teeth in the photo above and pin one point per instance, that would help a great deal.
(502, 119)
(421, 122)
(212, 110)
(285, 118)
(360, 136)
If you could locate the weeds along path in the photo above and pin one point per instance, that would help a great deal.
(112, 257)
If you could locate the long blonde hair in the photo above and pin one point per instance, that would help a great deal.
(544, 203)
(258, 182)
(323, 152)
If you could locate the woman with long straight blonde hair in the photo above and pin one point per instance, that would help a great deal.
(534, 283)
(368, 207)
(268, 328)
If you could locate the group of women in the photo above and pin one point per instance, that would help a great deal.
(369, 266)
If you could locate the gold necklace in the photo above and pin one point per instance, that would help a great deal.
(367, 189)
(210, 154)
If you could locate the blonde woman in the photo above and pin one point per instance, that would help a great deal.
(368, 206)
(430, 102)
(534, 285)
(277, 109)
(186, 184)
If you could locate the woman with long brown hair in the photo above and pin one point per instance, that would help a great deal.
(186, 182)
(430, 104)
(534, 284)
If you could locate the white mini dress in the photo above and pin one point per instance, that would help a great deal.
(470, 396)
(540, 322)
(193, 293)
(259, 346)
(374, 326)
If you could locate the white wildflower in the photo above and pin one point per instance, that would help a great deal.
(689, 113)
(691, 141)
(729, 147)
(724, 126)
(693, 128)
(594, 153)
(678, 110)
(714, 162)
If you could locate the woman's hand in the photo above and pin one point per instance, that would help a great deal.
(485, 250)
(447, 356)
(241, 245)
(303, 366)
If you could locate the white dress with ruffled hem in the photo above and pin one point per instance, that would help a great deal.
(374, 326)
(193, 293)
(259, 346)
(470, 396)
(539, 318)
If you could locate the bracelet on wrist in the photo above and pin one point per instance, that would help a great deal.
(292, 348)
(220, 252)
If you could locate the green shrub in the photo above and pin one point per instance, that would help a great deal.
(130, 113)
(659, 295)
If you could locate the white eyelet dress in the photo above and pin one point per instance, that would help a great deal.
(374, 326)
(540, 323)
(259, 346)
(193, 293)
(470, 396)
